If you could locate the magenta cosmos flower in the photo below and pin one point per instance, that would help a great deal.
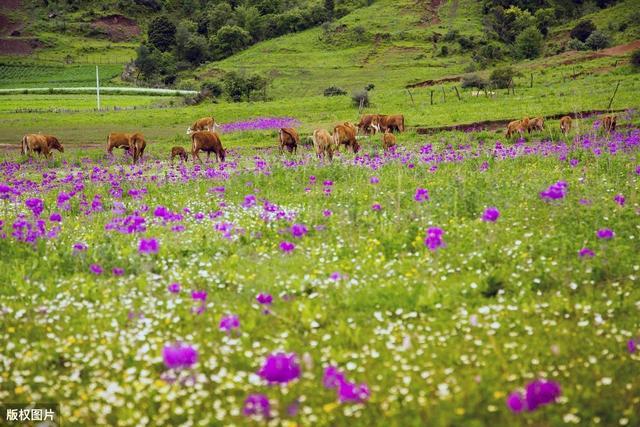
(299, 230)
(619, 199)
(491, 214)
(263, 298)
(422, 195)
(376, 207)
(179, 356)
(434, 238)
(586, 252)
(537, 393)
(199, 295)
(148, 246)
(287, 247)
(174, 288)
(555, 191)
(95, 269)
(280, 368)
(256, 405)
(229, 323)
(347, 391)
(605, 233)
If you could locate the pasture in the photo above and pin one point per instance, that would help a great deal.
(426, 329)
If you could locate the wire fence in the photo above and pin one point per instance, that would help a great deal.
(92, 59)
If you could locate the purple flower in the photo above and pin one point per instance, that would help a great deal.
(516, 402)
(199, 295)
(249, 201)
(422, 195)
(95, 269)
(586, 252)
(280, 368)
(117, 271)
(555, 191)
(263, 298)
(229, 323)
(174, 288)
(376, 207)
(537, 393)
(573, 162)
(491, 214)
(179, 356)
(312, 179)
(605, 234)
(619, 199)
(335, 276)
(298, 230)
(632, 346)
(256, 405)
(434, 238)
(327, 213)
(352, 392)
(36, 206)
(374, 180)
(55, 217)
(332, 377)
(287, 247)
(79, 247)
(148, 246)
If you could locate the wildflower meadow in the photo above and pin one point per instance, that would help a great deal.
(456, 280)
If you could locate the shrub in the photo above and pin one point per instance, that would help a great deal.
(211, 89)
(466, 43)
(161, 33)
(575, 44)
(583, 30)
(334, 91)
(444, 50)
(597, 40)
(241, 87)
(635, 59)
(529, 43)
(360, 99)
(451, 36)
(229, 40)
(502, 78)
(369, 87)
(475, 81)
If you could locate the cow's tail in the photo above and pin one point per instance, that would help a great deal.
(402, 124)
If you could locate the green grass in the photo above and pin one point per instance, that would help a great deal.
(12, 103)
(15, 75)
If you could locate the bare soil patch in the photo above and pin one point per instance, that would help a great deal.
(117, 27)
(428, 83)
(10, 4)
(18, 46)
(7, 27)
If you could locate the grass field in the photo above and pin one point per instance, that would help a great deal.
(438, 337)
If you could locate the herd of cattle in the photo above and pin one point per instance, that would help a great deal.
(205, 138)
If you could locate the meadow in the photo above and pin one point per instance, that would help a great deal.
(457, 280)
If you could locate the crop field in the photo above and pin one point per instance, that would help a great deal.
(37, 75)
(455, 280)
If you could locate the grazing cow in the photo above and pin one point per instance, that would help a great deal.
(609, 122)
(388, 140)
(565, 124)
(368, 124)
(345, 134)
(513, 127)
(288, 137)
(536, 124)
(41, 144)
(525, 123)
(323, 144)
(118, 140)
(180, 153)
(137, 144)
(205, 123)
(393, 123)
(208, 142)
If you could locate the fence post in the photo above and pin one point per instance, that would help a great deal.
(431, 96)
(457, 93)
(444, 96)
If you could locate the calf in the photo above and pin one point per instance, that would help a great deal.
(565, 124)
(180, 153)
(205, 123)
(388, 140)
(536, 124)
(137, 144)
(345, 134)
(513, 127)
(41, 144)
(288, 137)
(393, 123)
(368, 124)
(609, 123)
(208, 142)
(323, 144)
(118, 140)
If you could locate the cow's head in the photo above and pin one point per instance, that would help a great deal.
(54, 144)
(356, 147)
(223, 154)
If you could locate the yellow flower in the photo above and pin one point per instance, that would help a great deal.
(19, 390)
(330, 407)
(459, 411)
(498, 394)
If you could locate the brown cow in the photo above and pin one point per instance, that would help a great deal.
(205, 123)
(525, 123)
(394, 123)
(565, 124)
(345, 134)
(368, 124)
(208, 142)
(536, 124)
(288, 137)
(609, 122)
(41, 144)
(513, 127)
(180, 153)
(388, 140)
(323, 144)
(118, 140)
(137, 144)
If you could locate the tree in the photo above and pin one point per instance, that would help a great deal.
(502, 78)
(161, 33)
(248, 17)
(220, 16)
(195, 50)
(597, 40)
(329, 7)
(229, 40)
(545, 18)
(529, 43)
(240, 87)
(147, 61)
(583, 30)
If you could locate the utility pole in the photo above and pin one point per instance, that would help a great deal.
(98, 87)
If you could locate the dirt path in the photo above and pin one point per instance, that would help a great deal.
(493, 125)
